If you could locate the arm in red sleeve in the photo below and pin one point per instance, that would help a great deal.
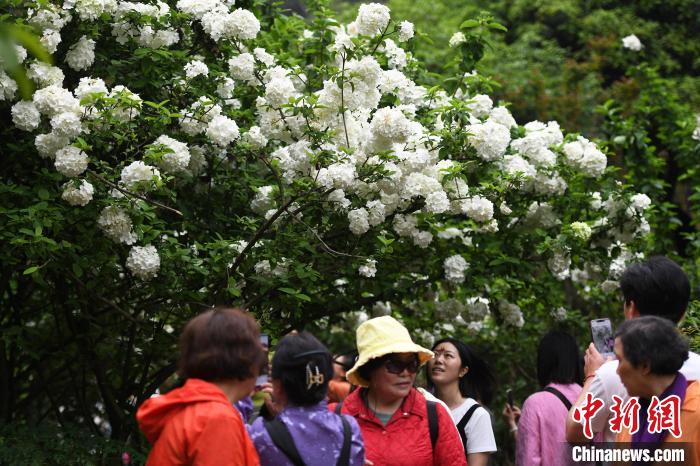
(224, 442)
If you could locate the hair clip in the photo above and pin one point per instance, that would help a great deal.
(313, 379)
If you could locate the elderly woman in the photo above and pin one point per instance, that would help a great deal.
(305, 431)
(651, 351)
(220, 358)
(398, 424)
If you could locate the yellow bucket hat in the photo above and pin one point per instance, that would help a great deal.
(381, 336)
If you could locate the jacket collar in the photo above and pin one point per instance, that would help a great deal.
(355, 403)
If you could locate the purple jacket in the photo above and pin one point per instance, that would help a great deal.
(317, 434)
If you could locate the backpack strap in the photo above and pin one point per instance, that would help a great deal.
(431, 406)
(338, 408)
(344, 458)
(462, 424)
(283, 440)
(559, 395)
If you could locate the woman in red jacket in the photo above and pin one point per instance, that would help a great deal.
(197, 424)
(399, 426)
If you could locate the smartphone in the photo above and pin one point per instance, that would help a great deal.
(263, 377)
(509, 395)
(603, 339)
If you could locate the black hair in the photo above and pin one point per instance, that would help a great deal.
(558, 359)
(479, 382)
(653, 341)
(658, 287)
(304, 367)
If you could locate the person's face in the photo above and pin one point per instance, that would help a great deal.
(633, 378)
(446, 367)
(338, 369)
(392, 386)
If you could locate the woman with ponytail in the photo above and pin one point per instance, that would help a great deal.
(464, 383)
(305, 432)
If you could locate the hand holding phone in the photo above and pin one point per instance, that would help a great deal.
(602, 335)
(263, 376)
(509, 396)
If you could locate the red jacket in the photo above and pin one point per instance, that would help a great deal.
(195, 425)
(405, 440)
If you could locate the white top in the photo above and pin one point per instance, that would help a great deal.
(607, 383)
(479, 432)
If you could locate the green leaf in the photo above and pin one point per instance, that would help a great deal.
(468, 24)
(30, 270)
(288, 290)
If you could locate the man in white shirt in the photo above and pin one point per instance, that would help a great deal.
(656, 287)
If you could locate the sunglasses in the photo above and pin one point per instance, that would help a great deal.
(397, 366)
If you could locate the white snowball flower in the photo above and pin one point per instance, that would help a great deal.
(139, 175)
(480, 105)
(8, 87)
(48, 144)
(559, 264)
(372, 19)
(243, 25)
(67, 124)
(225, 88)
(242, 68)
(454, 268)
(25, 115)
(490, 139)
(376, 212)
(71, 161)
(179, 157)
(437, 202)
(255, 137)
(585, 156)
(390, 125)
(263, 200)
(511, 313)
(45, 75)
(405, 31)
(632, 42)
(196, 68)
(457, 39)
(422, 239)
(50, 40)
(81, 54)
(368, 269)
(52, 100)
(116, 224)
(79, 195)
(514, 165)
(222, 130)
(502, 116)
(143, 261)
(278, 91)
(88, 86)
(197, 8)
(559, 314)
(90, 10)
(640, 202)
(478, 208)
(359, 221)
(581, 230)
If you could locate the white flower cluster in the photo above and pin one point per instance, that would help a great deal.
(138, 175)
(78, 195)
(71, 161)
(368, 269)
(177, 156)
(511, 313)
(585, 156)
(455, 266)
(116, 224)
(632, 42)
(372, 19)
(81, 54)
(143, 261)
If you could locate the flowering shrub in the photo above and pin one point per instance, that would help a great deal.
(189, 153)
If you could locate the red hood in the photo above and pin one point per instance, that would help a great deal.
(155, 412)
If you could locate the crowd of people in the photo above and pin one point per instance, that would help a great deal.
(321, 410)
